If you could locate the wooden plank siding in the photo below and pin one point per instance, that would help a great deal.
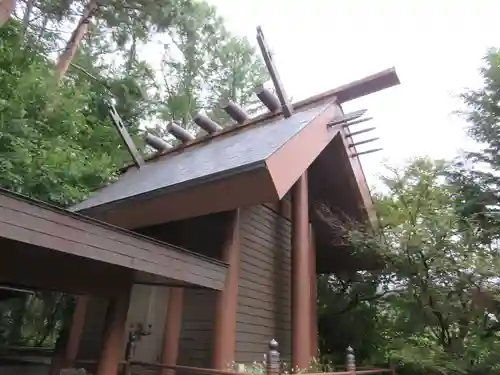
(196, 333)
(197, 328)
(264, 300)
(33, 223)
(264, 297)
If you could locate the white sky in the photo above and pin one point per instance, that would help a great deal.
(436, 47)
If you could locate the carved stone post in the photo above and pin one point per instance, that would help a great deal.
(273, 364)
(350, 360)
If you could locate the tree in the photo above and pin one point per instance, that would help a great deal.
(436, 296)
(204, 65)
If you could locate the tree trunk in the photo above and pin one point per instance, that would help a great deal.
(27, 17)
(6, 9)
(81, 29)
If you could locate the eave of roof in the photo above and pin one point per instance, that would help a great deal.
(4, 193)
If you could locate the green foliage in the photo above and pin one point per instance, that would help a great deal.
(436, 300)
(48, 147)
(434, 305)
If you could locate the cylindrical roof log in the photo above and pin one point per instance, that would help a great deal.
(156, 142)
(181, 134)
(206, 123)
(237, 113)
(268, 99)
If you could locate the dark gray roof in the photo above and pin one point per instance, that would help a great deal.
(220, 156)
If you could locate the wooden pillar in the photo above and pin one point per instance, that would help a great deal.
(114, 334)
(314, 303)
(173, 325)
(68, 343)
(76, 329)
(227, 299)
(301, 279)
(6, 9)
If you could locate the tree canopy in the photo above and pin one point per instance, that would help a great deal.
(433, 308)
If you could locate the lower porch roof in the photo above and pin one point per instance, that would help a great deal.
(52, 248)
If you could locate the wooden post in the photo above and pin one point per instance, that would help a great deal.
(350, 361)
(76, 329)
(173, 325)
(114, 330)
(227, 299)
(273, 363)
(392, 366)
(68, 343)
(301, 278)
(314, 303)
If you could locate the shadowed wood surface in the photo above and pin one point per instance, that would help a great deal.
(33, 225)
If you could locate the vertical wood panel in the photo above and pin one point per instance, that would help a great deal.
(227, 299)
(301, 276)
(264, 302)
(197, 328)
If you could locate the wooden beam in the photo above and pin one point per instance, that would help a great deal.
(301, 278)
(356, 89)
(314, 303)
(352, 134)
(114, 332)
(286, 106)
(76, 330)
(125, 136)
(364, 142)
(173, 326)
(355, 155)
(227, 300)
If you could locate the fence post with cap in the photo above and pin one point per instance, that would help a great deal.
(273, 359)
(350, 360)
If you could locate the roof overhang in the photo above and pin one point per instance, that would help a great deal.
(264, 181)
(147, 197)
(337, 184)
(54, 239)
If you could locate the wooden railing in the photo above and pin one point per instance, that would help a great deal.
(273, 366)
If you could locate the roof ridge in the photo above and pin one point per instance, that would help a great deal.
(350, 91)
